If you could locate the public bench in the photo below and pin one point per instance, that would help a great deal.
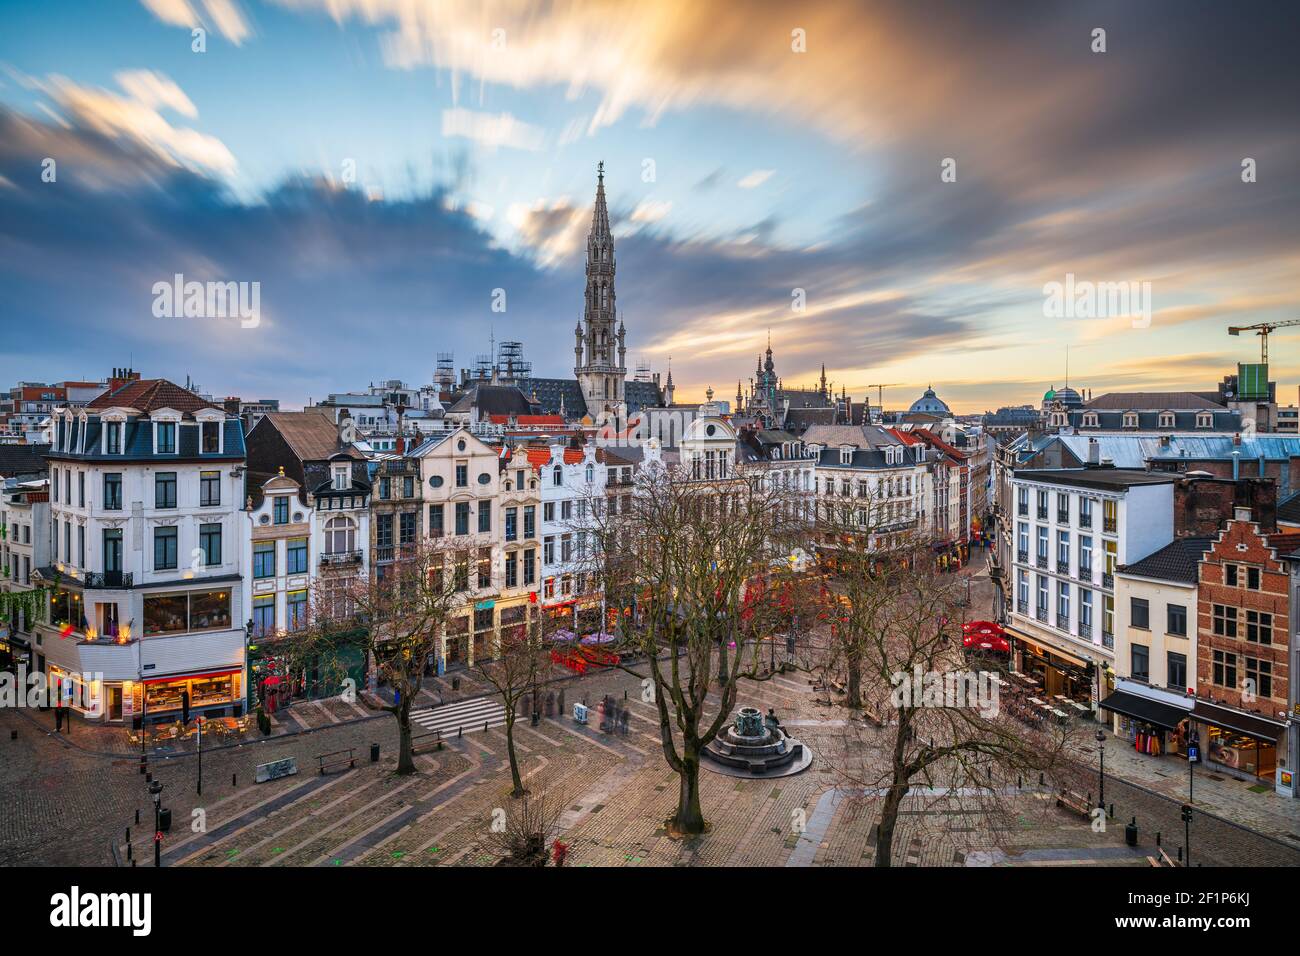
(337, 758)
(1074, 802)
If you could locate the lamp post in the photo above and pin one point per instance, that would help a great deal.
(199, 721)
(155, 791)
(1187, 835)
(1101, 773)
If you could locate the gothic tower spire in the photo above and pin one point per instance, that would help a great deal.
(600, 348)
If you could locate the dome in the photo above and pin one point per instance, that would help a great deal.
(930, 404)
(1049, 394)
(1069, 397)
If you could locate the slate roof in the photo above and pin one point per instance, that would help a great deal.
(1221, 419)
(18, 460)
(137, 442)
(1153, 401)
(1176, 561)
(495, 400)
(1103, 478)
(798, 420)
(1289, 510)
(311, 434)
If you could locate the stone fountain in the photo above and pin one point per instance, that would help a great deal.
(755, 747)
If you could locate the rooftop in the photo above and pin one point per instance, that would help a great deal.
(1095, 477)
(1176, 561)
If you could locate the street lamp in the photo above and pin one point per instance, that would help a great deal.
(155, 791)
(1101, 775)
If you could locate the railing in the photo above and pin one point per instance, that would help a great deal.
(1022, 510)
(1022, 557)
(1063, 517)
(383, 555)
(1042, 513)
(1041, 561)
(1063, 565)
(1022, 607)
(341, 557)
(1085, 572)
(1085, 630)
(1109, 525)
(1041, 614)
(1085, 520)
(108, 579)
(1108, 580)
(1107, 639)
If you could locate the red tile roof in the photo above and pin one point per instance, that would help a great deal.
(907, 438)
(572, 456)
(149, 394)
(539, 457)
(940, 444)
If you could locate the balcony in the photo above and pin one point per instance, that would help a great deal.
(1042, 513)
(108, 579)
(1041, 614)
(1085, 572)
(1085, 520)
(1041, 561)
(340, 558)
(1109, 525)
(1063, 565)
(1023, 510)
(1108, 581)
(384, 554)
(1022, 557)
(1085, 630)
(1063, 517)
(1107, 639)
(1022, 607)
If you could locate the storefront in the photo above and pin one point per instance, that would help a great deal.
(14, 650)
(1243, 745)
(217, 693)
(1056, 674)
(1153, 727)
(276, 683)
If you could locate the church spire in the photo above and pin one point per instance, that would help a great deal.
(600, 347)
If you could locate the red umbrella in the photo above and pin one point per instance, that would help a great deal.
(985, 635)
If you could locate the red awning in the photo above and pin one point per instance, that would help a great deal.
(175, 677)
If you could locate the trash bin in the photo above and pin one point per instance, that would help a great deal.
(374, 753)
(165, 819)
(1131, 833)
(455, 683)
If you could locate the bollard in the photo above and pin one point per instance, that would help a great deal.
(137, 816)
(625, 693)
(1018, 782)
(13, 735)
(1157, 838)
(148, 778)
(440, 740)
(234, 781)
(485, 723)
(374, 753)
(1112, 813)
(128, 836)
(460, 732)
(128, 854)
(1180, 854)
(1040, 779)
(1131, 833)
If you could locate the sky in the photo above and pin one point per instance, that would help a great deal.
(888, 188)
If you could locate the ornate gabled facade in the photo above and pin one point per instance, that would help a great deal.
(600, 347)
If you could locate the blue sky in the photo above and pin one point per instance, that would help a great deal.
(475, 152)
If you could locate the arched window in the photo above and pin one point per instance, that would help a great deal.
(340, 535)
(591, 474)
(557, 476)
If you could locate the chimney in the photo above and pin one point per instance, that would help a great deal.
(1240, 514)
(1094, 452)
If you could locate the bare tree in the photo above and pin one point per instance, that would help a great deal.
(521, 666)
(945, 730)
(676, 563)
(396, 615)
(524, 833)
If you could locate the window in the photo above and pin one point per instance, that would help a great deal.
(512, 569)
(113, 491)
(1140, 614)
(1042, 546)
(1042, 594)
(1225, 621)
(566, 511)
(264, 615)
(280, 509)
(530, 566)
(209, 437)
(1063, 550)
(81, 546)
(484, 567)
(166, 438)
(1110, 515)
(209, 610)
(1176, 678)
(113, 550)
(295, 604)
(296, 556)
(530, 521)
(81, 489)
(406, 527)
(1022, 541)
(1259, 627)
(164, 489)
(209, 488)
(384, 531)
(462, 475)
(113, 438)
(1063, 606)
(548, 549)
(340, 535)
(1259, 677)
(462, 517)
(484, 517)
(264, 559)
(1141, 669)
(164, 549)
(342, 477)
(1085, 612)
(557, 476)
(166, 613)
(548, 512)
(435, 520)
(1230, 575)
(385, 488)
(1085, 512)
(1225, 669)
(512, 521)
(566, 548)
(1177, 621)
(210, 544)
(408, 487)
(1252, 579)
(1085, 556)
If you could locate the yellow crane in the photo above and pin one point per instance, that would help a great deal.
(1262, 329)
(880, 392)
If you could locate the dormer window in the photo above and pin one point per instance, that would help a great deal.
(342, 478)
(1166, 419)
(113, 438)
(1090, 420)
(1130, 420)
(846, 454)
(210, 438)
(591, 474)
(1204, 420)
(557, 476)
(164, 438)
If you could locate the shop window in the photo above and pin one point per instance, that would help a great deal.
(209, 610)
(166, 614)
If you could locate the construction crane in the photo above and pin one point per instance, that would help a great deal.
(1262, 329)
(880, 392)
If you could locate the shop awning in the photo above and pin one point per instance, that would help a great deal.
(1251, 725)
(1145, 709)
(1045, 650)
(170, 678)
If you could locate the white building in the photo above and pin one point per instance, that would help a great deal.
(1073, 527)
(572, 484)
(146, 555)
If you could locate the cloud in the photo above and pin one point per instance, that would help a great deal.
(649, 210)
(136, 116)
(755, 179)
(226, 15)
(492, 130)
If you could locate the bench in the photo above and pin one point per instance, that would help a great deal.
(417, 738)
(1076, 803)
(337, 758)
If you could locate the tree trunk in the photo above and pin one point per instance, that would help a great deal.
(689, 817)
(405, 751)
(722, 661)
(515, 779)
(888, 820)
(853, 695)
